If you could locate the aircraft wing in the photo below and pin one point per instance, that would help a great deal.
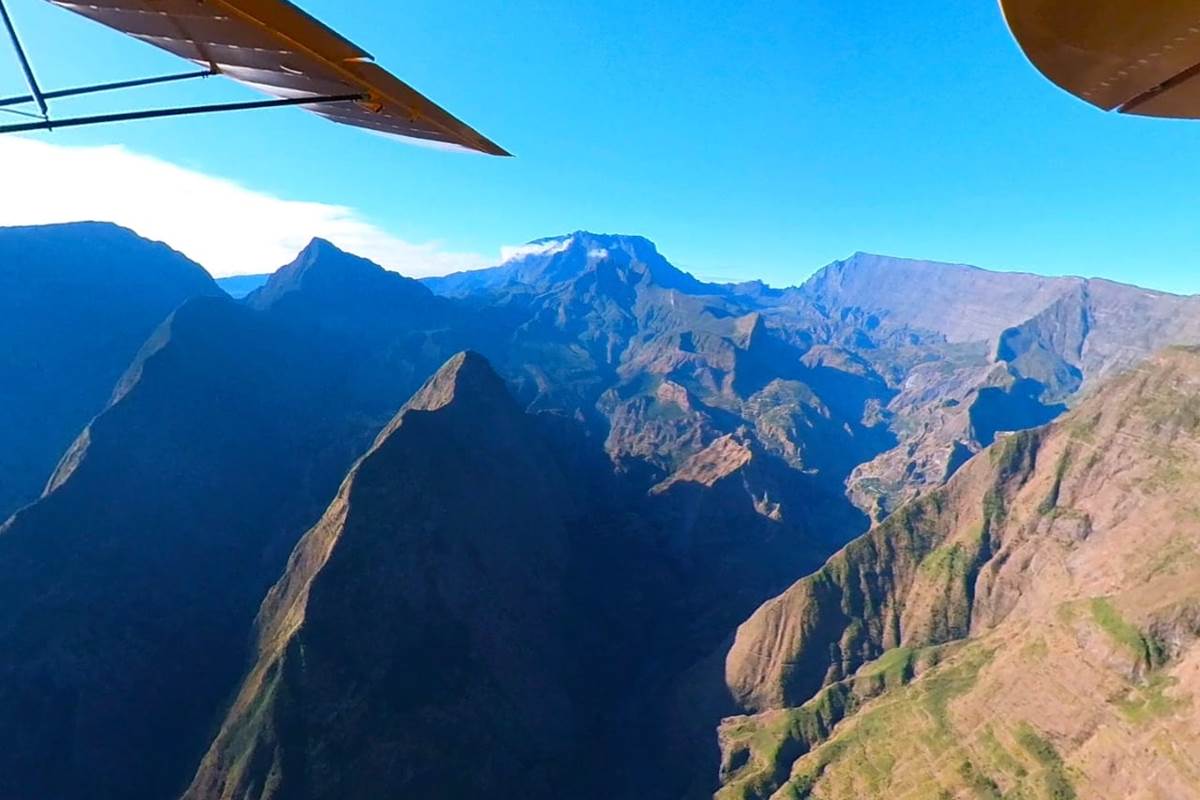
(1133, 56)
(275, 47)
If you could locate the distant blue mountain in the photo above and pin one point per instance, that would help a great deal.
(543, 263)
(238, 286)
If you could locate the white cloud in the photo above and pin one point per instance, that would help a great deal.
(547, 248)
(227, 227)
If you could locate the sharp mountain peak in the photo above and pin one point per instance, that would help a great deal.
(467, 379)
(324, 269)
(466, 373)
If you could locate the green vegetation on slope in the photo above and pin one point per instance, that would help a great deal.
(905, 742)
(791, 751)
(767, 744)
(895, 667)
(1144, 704)
(1145, 649)
(863, 753)
(1057, 784)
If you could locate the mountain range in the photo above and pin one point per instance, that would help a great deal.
(582, 525)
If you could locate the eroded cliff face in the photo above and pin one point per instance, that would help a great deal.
(1029, 630)
(988, 354)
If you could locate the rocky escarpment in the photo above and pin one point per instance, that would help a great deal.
(962, 303)
(910, 578)
(1022, 630)
(1079, 333)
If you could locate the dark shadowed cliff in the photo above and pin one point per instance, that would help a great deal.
(76, 303)
(416, 643)
(128, 590)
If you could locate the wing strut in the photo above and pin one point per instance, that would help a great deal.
(154, 113)
(271, 46)
(45, 123)
(34, 90)
(104, 87)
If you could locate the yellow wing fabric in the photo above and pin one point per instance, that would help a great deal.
(277, 48)
(1134, 56)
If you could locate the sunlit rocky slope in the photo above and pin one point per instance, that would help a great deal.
(1030, 630)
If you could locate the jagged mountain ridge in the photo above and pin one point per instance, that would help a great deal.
(938, 357)
(606, 324)
(221, 445)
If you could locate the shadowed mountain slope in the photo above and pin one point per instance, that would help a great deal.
(479, 601)
(76, 303)
(128, 590)
(414, 646)
(1029, 630)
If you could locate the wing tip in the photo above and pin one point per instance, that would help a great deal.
(493, 149)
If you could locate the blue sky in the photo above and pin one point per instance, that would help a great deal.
(751, 139)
